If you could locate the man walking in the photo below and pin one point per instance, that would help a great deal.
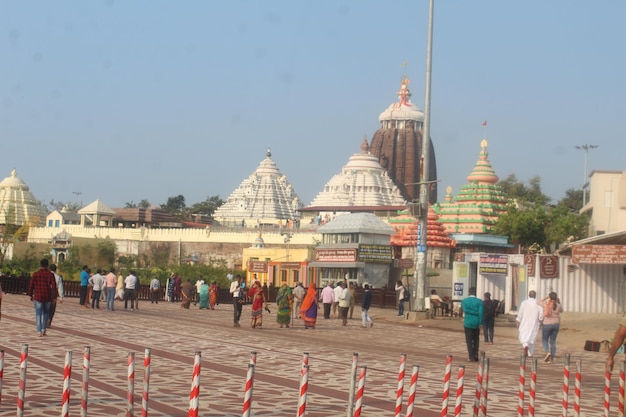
(235, 290)
(327, 297)
(42, 290)
(489, 317)
(298, 295)
(84, 286)
(365, 306)
(529, 316)
(472, 320)
(60, 294)
(97, 282)
(344, 303)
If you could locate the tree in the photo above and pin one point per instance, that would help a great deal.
(573, 199)
(174, 205)
(519, 192)
(524, 226)
(208, 206)
(130, 204)
(60, 205)
(565, 225)
(144, 204)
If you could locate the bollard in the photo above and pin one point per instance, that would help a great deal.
(412, 390)
(253, 358)
(522, 381)
(194, 394)
(400, 389)
(355, 362)
(67, 377)
(358, 405)
(446, 386)
(620, 398)
(532, 389)
(146, 383)
(21, 392)
(305, 359)
(1, 371)
(130, 392)
(485, 389)
(577, 383)
(479, 383)
(459, 392)
(247, 399)
(84, 392)
(607, 393)
(304, 387)
(565, 401)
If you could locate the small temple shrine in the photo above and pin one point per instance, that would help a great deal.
(478, 204)
(18, 206)
(398, 146)
(265, 198)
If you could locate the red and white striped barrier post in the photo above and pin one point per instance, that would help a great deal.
(565, 401)
(194, 394)
(459, 392)
(607, 393)
(577, 383)
(400, 389)
(620, 398)
(446, 386)
(21, 390)
(355, 363)
(304, 387)
(67, 377)
(1, 372)
(253, 358)
(84, 391)
(305, 359)
(532, 392)
(412, 390)
(130, 392)
(522, 382)
(247, 398)
(146, 383)
(479, 384)
(358, 404)
(485, 389)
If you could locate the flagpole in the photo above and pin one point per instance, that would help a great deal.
(425, 183)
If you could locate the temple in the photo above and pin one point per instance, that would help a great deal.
(18, 206)
(264, 198)
(478, 204)
(398, 146)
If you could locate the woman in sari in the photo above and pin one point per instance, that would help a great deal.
(284, 299)
(203, 296)
(213, 290)
(257, 295)
(186, 290)
(308, 311)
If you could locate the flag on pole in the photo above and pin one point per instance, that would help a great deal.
(485, 123)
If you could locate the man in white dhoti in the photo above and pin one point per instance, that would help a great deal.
(529, 317)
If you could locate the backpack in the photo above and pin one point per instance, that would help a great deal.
(489, 309)
(547, 309)
(407, 295)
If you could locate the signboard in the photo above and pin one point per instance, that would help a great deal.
(458, 289)
(406, 263)
(335, 255)
(530, 260)
(257, 266)
(375, 253)
(290, 265)
(493, 264)
(548, 266)
(599, 254)
(461, 269)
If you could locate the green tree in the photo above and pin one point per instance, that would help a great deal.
(565, 225)
(174, 205)
(573, 199)
(524, 226)
(144, 204)
(519, 192)
(60, 205)
(208, 206)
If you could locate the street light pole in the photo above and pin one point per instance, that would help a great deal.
(420, 266)
(586, 149)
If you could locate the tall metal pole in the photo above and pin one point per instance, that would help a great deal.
(586, 149)
(425, 184)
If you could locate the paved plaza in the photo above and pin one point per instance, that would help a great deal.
(174, 334)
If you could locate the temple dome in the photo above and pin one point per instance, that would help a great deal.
(265, 197)
(483, 173)
(361, 182)
(18, 206)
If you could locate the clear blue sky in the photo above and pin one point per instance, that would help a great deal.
(147, 99)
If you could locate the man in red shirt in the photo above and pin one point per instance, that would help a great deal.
(42, 290)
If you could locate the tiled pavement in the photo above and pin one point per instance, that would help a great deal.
(174, 334)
